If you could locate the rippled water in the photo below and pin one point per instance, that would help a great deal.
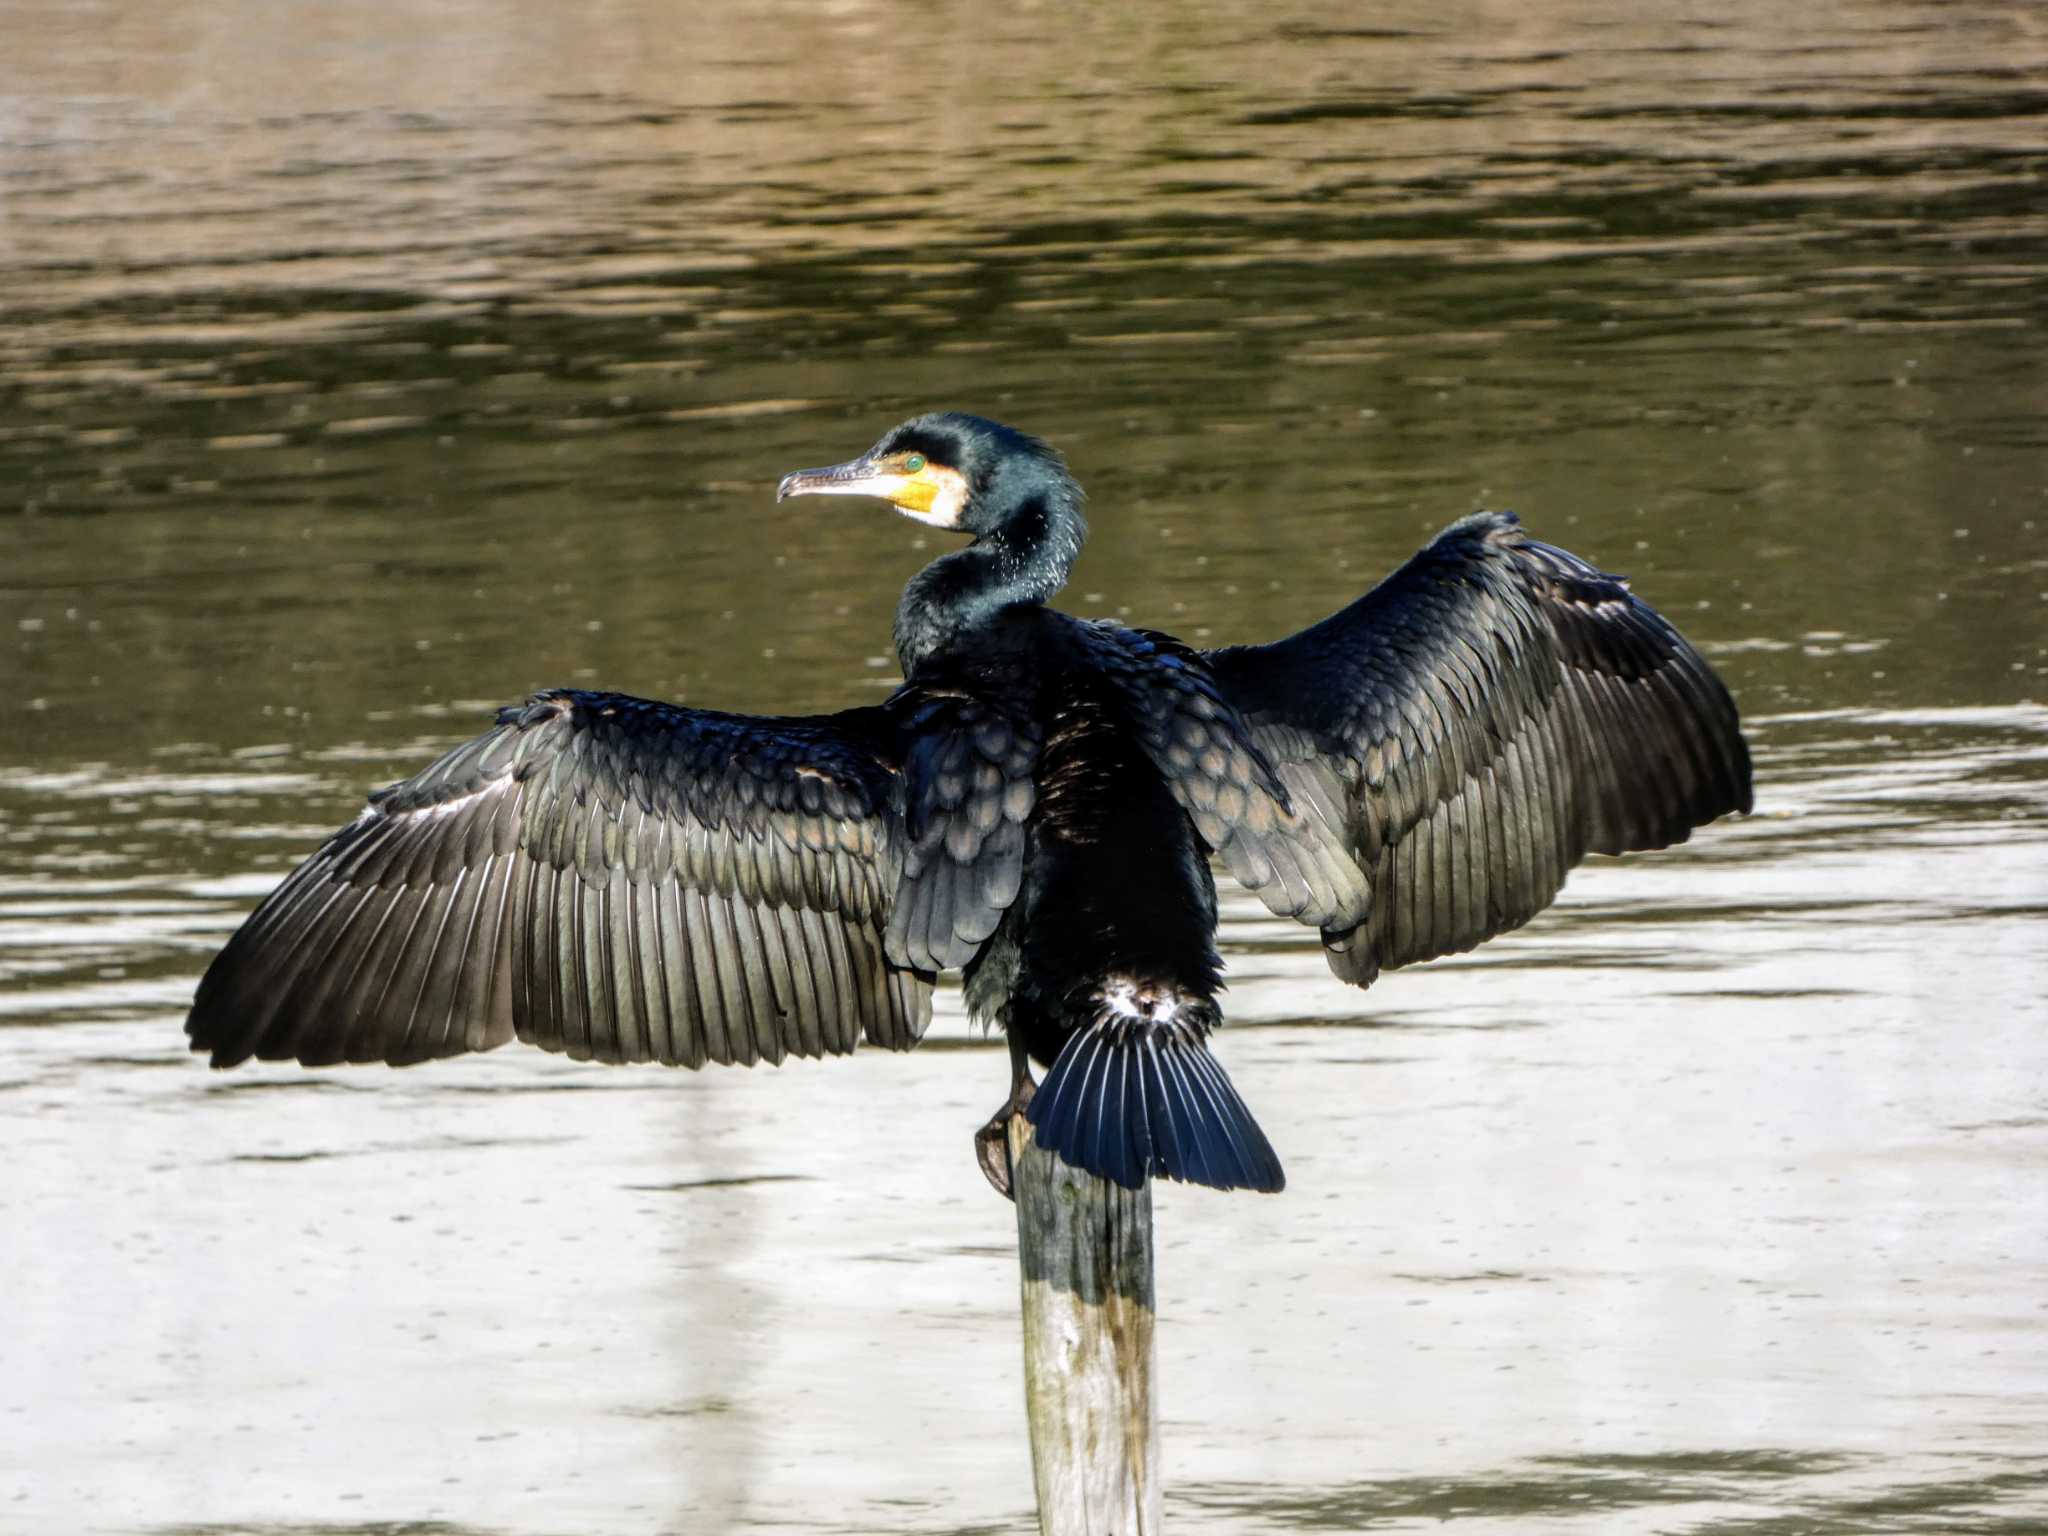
(361, 369)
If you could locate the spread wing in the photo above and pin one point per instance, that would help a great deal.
(1485, 717)
(599, 875)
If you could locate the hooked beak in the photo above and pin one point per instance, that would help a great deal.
(856, 477)
(931, 493)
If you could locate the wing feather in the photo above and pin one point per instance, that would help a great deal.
(701, 945)
(1225, 779)
(969, 788)
(612, 878)
(1485, 717)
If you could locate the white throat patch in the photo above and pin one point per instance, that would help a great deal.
(949, 505)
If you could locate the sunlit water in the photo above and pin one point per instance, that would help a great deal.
(361, 370)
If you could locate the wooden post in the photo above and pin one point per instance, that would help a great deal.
(1084, 1246)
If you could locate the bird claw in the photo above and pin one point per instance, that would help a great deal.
(992, 1141)
(992, 1151)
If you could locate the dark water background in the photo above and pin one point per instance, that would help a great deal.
(365, 366)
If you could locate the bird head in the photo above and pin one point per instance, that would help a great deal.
(949, 470)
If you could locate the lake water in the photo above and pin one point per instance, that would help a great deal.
(364, 367)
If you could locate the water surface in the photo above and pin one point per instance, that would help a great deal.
(362, 371)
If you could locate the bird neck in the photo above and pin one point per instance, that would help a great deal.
(1020, 562)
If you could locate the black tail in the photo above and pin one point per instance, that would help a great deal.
(1132, 1095)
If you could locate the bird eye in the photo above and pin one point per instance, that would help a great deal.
(914, 463)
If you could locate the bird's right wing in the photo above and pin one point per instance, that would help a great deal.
(599, 875)
(1486, 716)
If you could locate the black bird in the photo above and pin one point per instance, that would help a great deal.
(1038, 804)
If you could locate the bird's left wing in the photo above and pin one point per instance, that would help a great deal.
(599, 875)
(1488, 715)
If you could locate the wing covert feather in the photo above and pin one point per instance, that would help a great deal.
(969, 790)
(1280, 835)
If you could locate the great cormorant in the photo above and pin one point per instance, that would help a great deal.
(1037, 804)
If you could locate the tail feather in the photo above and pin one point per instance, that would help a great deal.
(1134, 1095)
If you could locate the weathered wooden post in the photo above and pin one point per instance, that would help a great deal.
(1084, 1247)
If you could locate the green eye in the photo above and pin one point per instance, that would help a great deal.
(914, 463)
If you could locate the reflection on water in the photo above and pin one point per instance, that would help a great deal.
(1669, 1492)
(361, 372)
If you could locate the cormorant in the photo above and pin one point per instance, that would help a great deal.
(1037, 804)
